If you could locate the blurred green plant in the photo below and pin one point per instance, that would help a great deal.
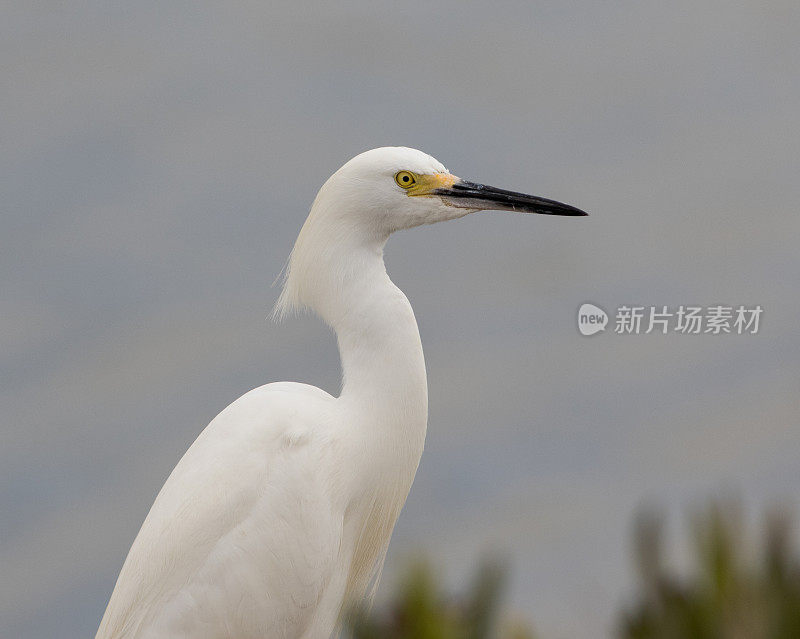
(728, 595)
(421, 611)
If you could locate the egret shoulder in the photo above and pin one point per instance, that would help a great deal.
(236, 488)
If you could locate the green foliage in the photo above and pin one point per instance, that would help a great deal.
(420, 611)
(728, 593)
(726, 596)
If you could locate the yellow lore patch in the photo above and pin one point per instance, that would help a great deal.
(426, 184)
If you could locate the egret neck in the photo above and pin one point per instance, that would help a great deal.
(379, 344)
(337, 271)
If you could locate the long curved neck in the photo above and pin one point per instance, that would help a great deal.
(379, 344)
(337, 271)
(383, 367)
(384, 385)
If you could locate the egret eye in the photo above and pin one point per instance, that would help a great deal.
(405, 179)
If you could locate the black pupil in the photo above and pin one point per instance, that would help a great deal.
(405, 178)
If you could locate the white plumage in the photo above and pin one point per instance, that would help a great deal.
(279, 515)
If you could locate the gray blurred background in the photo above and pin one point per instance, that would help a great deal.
(158, 159)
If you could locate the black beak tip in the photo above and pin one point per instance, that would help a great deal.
(557, 208)
(551, 207)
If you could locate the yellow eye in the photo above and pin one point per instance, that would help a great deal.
(405, 179)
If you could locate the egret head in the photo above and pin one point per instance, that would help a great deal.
(394, 188)
(374, 194)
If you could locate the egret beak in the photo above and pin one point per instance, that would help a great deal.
(470, 195)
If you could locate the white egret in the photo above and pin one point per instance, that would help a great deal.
(279, 515)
